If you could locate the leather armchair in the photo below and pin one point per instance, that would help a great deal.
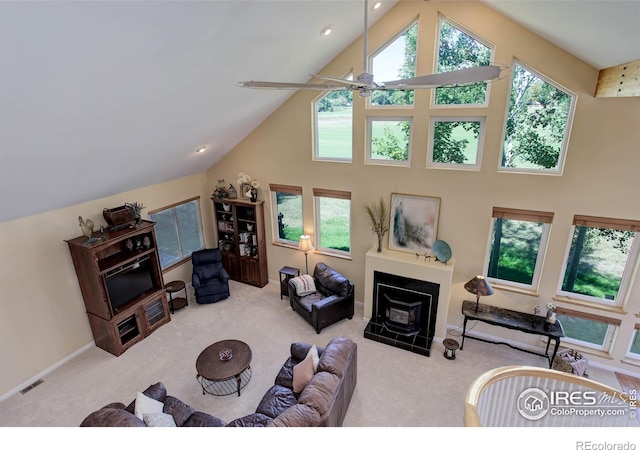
(209, 279)
(332, 301)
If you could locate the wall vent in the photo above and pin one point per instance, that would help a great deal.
(31, 386)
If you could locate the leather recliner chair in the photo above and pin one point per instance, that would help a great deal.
(332, 301)
(209, 279)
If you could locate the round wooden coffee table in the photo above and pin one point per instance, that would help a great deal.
(224, 377)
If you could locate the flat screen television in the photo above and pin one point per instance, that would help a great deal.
(128, 282)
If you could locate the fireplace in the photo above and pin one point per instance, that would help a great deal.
(404, 312)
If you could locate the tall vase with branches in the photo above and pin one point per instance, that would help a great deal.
(379, 214)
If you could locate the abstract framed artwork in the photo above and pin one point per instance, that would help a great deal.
(414, 223)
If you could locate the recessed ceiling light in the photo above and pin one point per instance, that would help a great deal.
(326, 31)
(201, 149)
(376, 5)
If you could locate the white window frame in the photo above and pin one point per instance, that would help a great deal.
(432, 126)
(633, 356)
(610, 334)
(369, 159)
(314, 128)
(274, 190)
(510, 214)
(633, 261)
(327, 193)
(476, 37)
(567, 131)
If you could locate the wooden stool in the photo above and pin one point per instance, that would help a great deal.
(178, 302)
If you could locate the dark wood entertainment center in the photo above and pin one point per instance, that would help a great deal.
(119, 316)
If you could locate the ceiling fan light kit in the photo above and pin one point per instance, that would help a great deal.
(364, 84)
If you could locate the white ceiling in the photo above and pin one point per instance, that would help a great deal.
(101, 97)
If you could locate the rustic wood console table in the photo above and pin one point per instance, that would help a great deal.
(515, 320)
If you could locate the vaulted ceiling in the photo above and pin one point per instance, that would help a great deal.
(100, 97)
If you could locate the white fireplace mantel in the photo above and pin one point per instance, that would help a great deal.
(410, 266)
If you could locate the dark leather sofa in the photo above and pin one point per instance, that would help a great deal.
(332, 301)
(323, 402)
(209, 279)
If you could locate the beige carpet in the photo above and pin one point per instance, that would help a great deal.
(395, 388)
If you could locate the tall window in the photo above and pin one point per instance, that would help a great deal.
(588, 330)
(517, 247)
(287, 213)
(456, 142)
(389, 141)
(395, 61)
(333, 118)
(537, 124)
(600, 259)
(178, 231)
(459, 50)
(333, 221)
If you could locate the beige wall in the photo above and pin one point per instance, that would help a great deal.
(600, 178)
(42, 316)
(43, 319)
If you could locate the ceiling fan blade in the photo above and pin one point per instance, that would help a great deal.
(462, 76)
(307, 86)
(352, 83)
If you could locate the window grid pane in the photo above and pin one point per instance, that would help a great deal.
(178, 231)
(333, 221)
(514, 252)
(456, 143)
(588, 332)
(288, 215)
(536, 124)
(596, 263)
(334, 129)
(389, 140)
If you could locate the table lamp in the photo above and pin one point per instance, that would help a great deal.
(480, 286)
(305, 246)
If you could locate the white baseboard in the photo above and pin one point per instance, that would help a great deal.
(45, 372)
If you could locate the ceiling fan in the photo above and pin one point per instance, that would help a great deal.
(364, 84)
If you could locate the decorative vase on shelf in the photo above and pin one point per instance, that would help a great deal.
(226, 206)
(254, 194)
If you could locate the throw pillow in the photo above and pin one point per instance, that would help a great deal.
(159, 420)
(146, 405)
(313, 354)
(304, 285)
(302, 374)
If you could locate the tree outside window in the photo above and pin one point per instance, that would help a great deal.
(287, 213)
(459, 50)
(600, 256)
(456, 142)
(397, 60)
(178, 232)
(389, 141)
(517, 245)
(537, 124)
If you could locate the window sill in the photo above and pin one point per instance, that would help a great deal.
(335, 255)
(586, 350)
(630, 361)
(587, 304)
(282, 244)
(504, 287)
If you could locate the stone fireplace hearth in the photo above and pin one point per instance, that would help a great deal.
(406, 299)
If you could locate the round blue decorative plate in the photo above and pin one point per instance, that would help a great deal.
(442, 251)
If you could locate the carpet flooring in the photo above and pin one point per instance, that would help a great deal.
(396, 388)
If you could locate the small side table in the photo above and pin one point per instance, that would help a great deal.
(287, 273)
(178, 302)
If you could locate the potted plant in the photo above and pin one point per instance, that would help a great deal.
(221, 190)
(379, 214)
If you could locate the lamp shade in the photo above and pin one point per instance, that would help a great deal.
(305, 244)
(479, 285)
